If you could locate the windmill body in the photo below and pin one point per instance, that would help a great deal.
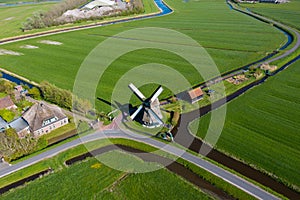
(149, 111)
(149, 119)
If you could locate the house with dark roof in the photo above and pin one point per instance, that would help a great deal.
(7, 103)
(3, 125)
(43, 118)
(21, 126)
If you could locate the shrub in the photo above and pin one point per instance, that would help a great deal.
(64, 98)
(34, 93)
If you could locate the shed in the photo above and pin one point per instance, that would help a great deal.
(195, 94)
(98, 3)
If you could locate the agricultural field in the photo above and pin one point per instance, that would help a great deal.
(11, 18)
(262, 126)
(232, 39)
(93, 180)
(287, 13)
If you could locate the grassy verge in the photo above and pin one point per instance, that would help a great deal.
(56, 163)
(91, 179)
(60, 131)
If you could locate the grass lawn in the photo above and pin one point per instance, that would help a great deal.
(60, 131)
(231, 38)
(56, 163)
(92, 179)
(2, 95)
(157, 184)
(262, 126)
(288, 13)
(11, 18)
(7, 115)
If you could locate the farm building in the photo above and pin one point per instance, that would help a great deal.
(195, 94)
(43, 118)
(18, 88)
(19, 92)
(191, 96)
(20, 126)
(7, 103)
(98, 4)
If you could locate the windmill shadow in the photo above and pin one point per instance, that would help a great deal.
(126, 109)
(107, 102)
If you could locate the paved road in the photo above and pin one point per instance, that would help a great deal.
(288, 52)
(184, 137)
(283, 26)
(225, 175)
(237, 181)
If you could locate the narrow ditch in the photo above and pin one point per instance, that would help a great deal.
(23, 181)
(174, 167)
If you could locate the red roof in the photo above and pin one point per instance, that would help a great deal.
(195, 93)
(6, 102)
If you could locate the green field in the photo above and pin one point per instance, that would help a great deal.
(262, 126)
(56, 163)
(231, 38)
(11, 18)
(94, 180)
(287, 13)
(158, 184)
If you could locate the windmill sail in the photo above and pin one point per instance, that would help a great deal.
(150, 107)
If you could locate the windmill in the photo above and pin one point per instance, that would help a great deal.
(149, 110)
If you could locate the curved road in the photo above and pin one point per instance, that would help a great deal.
(278, 24)
(184, 137)
(225, 175)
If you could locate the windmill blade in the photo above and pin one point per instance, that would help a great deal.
(136, 112)
(137, 92)
(160, 121)
(156, 93)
